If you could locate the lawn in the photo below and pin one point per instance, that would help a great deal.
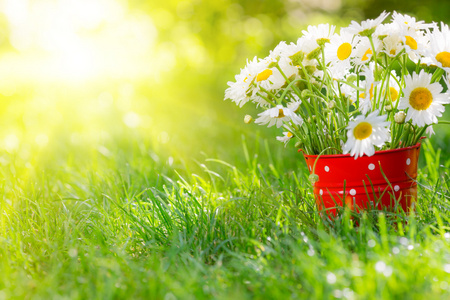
(122, 221)
(124, 174)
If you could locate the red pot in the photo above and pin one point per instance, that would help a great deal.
(386, 179)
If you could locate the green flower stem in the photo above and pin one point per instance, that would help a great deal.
(268, 93)
(374, 56)
(290, 85)
(266, 98)
(437, 75)
(419, 135)
(352, 85)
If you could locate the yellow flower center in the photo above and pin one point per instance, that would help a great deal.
(365, 56)
(371, 91)
(363, 95)
(280, 113)
(289, 135)
(394, 94)
(344, 51)
(362, 131)
(420, 98)
(444, 59)
(411, 42)
(264, 75)
(392, 52)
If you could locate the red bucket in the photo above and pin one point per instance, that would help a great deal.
(386, 179)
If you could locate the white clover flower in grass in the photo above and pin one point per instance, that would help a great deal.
(367, 27)
(439, 48)
(423, 99)
(277, 116)
(364, 133)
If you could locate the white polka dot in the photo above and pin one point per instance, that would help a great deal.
(396, 188)
(353, 192)
(408, 161)
(371, 167)
(327, 169)
(321, 192)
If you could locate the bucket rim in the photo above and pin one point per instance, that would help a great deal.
(416, 146)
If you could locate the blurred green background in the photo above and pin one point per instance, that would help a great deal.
(79, 76)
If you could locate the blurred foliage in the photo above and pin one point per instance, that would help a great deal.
(84, 73)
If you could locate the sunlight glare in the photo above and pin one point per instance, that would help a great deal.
(77, 40)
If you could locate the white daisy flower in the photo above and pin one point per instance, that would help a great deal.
(447, 82)
(321, 33)
(240, 91)
(338, 52)
(348, 91)
(392, 45)
(423, 99)
(408, 22)
(394, 89)
(277, 116)
(287, 136)
(384, 30)
(257, 75)
(294, 106)
(416, 43)
(366, 98)
(268, 77)
(429, 131)
(363, 51)
(296, 54)
(367, 27)
(364, 133)
(310, 48)
(439, 49)
(290, 71)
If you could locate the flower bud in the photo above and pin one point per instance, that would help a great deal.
(299, 144)
(331, 104)
(306, 93)
(400, 117)
(297, 58)
(313, 178)
(314, 54)
(352, 78)
(388, 107)
(408, 127)
(248, 119)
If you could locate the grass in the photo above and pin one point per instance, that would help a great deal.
(123, 221)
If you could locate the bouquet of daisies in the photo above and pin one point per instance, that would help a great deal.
(373, 86)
